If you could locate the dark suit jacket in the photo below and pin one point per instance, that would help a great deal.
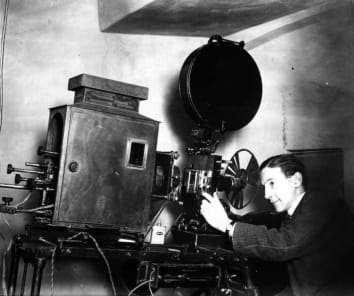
(316, 243)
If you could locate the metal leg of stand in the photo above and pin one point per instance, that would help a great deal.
(251, 288)
(37, 276)
(15, 260)
(24, 275)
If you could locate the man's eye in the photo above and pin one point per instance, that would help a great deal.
(271, 183)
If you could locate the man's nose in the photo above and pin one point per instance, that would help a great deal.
(267, 193)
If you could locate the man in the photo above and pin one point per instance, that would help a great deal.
(314, 241)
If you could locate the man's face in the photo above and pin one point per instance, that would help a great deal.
(279, 189)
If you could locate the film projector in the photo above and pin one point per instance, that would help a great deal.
(100, 165)
(100, 169)
(221, 89)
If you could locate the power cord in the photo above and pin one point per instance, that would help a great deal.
(38, 209)
(139, 286)
(149, 281)
(52, 261)
(27, 197)
(102, 255)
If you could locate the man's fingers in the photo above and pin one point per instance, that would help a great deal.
(206, 207)
(204, 203)
(207, 196)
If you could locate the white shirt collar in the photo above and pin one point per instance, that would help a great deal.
(295, 204)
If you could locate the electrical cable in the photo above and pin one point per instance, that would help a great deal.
(3, 34)
(102, 255)
(149, 281)
(52, 262)
(138, 286)
(38, 209)
(27, 197)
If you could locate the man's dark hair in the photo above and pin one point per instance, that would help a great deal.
(289, 165)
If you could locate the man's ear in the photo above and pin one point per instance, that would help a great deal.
(297, 177)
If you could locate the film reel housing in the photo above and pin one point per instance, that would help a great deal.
(221, 89)
(220, 85)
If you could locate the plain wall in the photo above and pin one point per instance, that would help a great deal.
(306, 62)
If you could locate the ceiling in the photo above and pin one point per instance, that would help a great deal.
(193, 17)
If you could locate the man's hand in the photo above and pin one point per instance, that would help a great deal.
(214, 212)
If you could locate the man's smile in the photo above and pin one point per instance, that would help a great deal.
(274, 201)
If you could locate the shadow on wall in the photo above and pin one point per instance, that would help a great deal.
(324, 16)
(179, 121)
